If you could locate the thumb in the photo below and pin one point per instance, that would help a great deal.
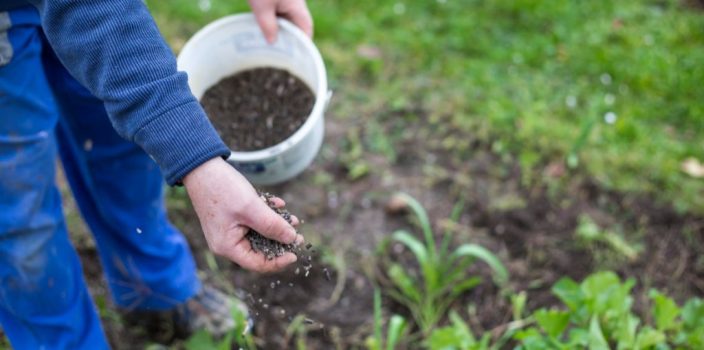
(265, 221)
(267, 22)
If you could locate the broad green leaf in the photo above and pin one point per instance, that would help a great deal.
(201, 340)
(458, 336)
(553, 322)
(405, 284)
(569, 292)
(604, 294)
(597, 341)
(531, 339)
(444, 338)
(459, 325)
(665, 311)
(648, 337)
(397, 325)
(481, 253)
(599, 282)
(578, 338)
(625, 332)
(693, 313)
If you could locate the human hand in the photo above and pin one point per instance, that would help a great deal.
(227, 207)
(296, 11)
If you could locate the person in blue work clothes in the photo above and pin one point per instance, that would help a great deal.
(95, 83)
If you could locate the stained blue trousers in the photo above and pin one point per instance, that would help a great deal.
(44, 112)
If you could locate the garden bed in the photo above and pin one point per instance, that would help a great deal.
(530, 225)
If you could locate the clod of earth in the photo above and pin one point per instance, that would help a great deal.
(269, 247)
(258, 108)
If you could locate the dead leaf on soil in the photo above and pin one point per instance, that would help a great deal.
(693, 167)
(396, 205)
(555, 169)
(368, 52)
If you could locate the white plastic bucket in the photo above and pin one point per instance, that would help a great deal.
(235, 43)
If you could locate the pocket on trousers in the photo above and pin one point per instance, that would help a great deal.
(5, 46)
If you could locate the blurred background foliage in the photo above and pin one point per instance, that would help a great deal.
(613, 88)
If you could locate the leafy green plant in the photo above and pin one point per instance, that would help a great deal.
(443, 272)
(396, 328)
(589, 232)
(353, 156)
(456, 336)
(202, 340)
(599, 316)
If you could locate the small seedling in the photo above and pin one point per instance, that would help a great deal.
(443, 272)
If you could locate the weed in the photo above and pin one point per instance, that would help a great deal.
(239, 336)
(456, 336)
(599, 315)
(443, 272)
(588, 232)
(397, 326)
(353, 156)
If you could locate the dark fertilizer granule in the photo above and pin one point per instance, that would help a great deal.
(258, 108)
(269, 247)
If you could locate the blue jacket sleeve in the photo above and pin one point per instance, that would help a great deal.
(115, 49)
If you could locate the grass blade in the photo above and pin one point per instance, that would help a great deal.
(481, 253)
(418, 249)
(405, 284)
(454, 217)
(422, 216)
(397, 326)
(377, 317)
(425, 260)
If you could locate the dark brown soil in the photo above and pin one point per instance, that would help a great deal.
(269, 247)
(258, 108)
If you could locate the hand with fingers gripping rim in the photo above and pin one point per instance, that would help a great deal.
(296, 11)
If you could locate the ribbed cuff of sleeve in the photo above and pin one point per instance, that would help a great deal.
(180, 140)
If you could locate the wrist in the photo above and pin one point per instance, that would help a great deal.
(204, 171)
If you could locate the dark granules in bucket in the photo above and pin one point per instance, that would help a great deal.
(271, 248)
(258, 108)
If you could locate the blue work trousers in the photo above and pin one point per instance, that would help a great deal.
(44, 302)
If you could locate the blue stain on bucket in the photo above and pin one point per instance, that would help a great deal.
(250, 168)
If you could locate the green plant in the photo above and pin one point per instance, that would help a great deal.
(599, 316)
(353, 156)
(396, 328)
(443, 272)
(589, 233)
(202, 340)
(456, 336)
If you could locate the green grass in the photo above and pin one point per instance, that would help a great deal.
(536, 78)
